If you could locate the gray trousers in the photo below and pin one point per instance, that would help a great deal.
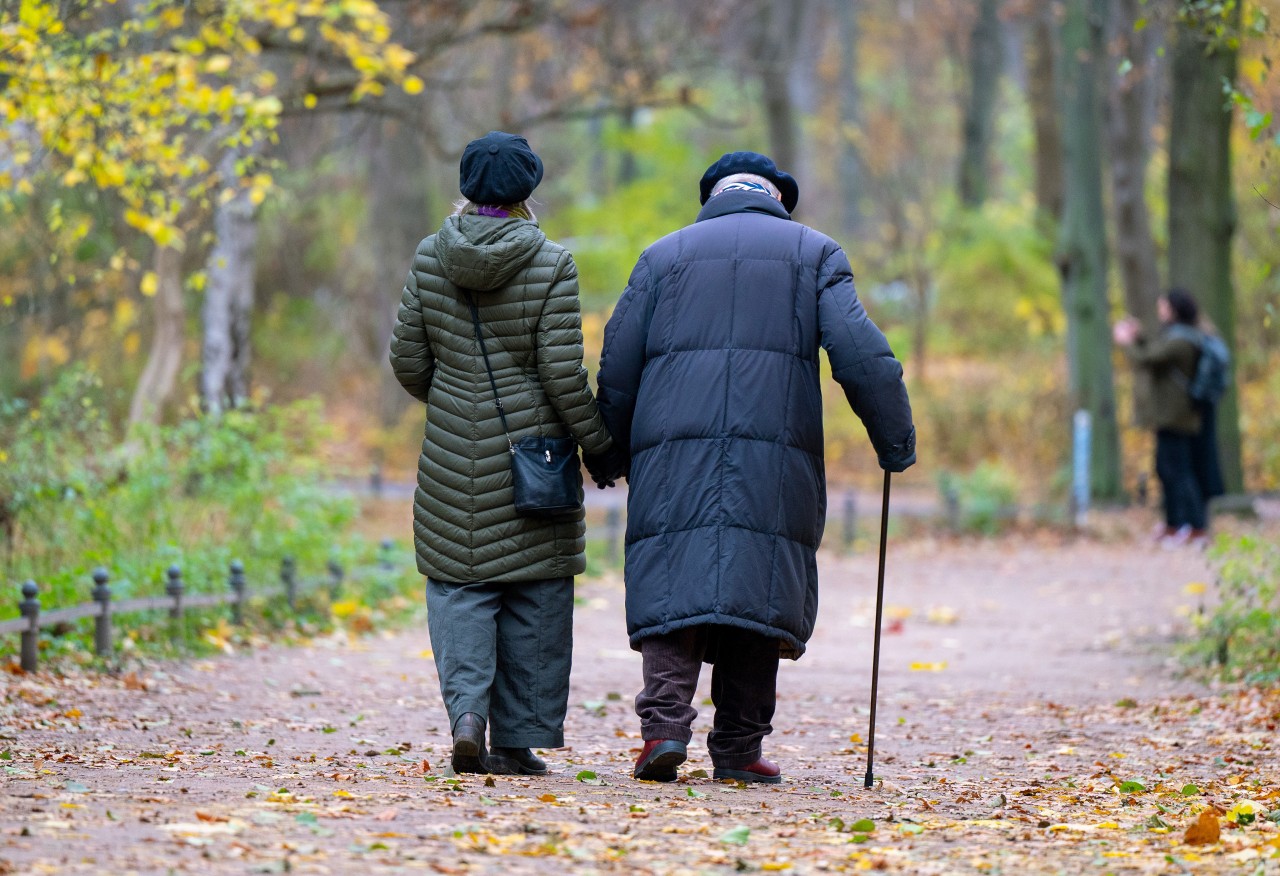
(503, 651)
(744, 684)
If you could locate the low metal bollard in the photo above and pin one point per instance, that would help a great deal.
(289, 577)
(336, 574)
(174, 589)
(236, 582)
(102, 623)
(951, 502)
(29, 607)
(613, 532)
(850, 529)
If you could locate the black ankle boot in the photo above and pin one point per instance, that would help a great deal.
(468, 745)
(516, 762)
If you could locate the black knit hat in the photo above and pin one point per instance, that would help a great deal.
(751, 162)
(499, 168)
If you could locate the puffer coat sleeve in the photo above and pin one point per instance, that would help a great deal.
(560, 368)
(624, 346)
(411, 357)
(864, 365)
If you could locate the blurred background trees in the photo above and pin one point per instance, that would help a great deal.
(212, 205)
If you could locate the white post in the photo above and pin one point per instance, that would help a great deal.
(1081, 439)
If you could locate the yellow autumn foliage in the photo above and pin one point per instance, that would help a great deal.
(122, 105)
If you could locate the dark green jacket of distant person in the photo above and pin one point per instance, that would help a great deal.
(1168, 364)
(465, 525)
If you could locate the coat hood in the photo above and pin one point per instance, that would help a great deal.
(484, 252)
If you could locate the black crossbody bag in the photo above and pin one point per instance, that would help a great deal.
(544, 471)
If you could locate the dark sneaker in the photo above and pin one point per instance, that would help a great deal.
(762, 770)
(515, 762)
(659, 759)
(468, 745)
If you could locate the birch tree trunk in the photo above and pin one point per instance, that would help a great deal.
(985, 61)
(1082, 248)
(155, 386)
(1202, 210)
(228, 303)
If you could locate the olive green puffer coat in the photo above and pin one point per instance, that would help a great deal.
(465, 526)
(1168, 362)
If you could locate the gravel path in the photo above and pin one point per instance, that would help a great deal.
(1023, 680)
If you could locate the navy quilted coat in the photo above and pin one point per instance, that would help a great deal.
(709, 377)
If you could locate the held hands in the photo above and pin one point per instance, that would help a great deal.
(605, 468)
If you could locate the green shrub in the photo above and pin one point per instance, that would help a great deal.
(1241, 632)
(248, 485)
(983, 501)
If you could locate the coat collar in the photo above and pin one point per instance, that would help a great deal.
(741, 202)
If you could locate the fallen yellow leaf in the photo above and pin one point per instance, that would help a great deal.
(928, 667)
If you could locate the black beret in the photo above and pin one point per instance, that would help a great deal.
(499, 169)
(751, 162)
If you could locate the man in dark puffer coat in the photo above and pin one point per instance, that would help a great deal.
(709, 380)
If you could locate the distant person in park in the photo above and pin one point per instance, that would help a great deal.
(499, 584)
(710, 382)
(1185, 387)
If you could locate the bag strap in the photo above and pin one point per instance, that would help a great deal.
(497, 400)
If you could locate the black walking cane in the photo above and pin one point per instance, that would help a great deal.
(875, 654)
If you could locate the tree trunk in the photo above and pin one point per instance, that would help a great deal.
(985, 59)
(1082, 248)
(229, 293)
(155, 386)
(777, 31)
(399, 217)
(1131, 66)
(628, 170)
(1202, 212)
(1042, 76)
(851, 166)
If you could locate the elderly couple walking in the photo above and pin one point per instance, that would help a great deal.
(708, 401)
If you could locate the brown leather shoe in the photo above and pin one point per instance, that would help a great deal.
(658, 760)
(762, 770)
(468, 745)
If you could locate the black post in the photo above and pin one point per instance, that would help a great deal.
(174, 588)
(236, 583)
(29, 607)
(102, 623)
(288, 575)
(951, 499)
(613, 525)
(850, 521)
(385, 555)
(875, 654)
(335, 578)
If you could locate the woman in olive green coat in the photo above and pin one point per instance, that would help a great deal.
(1168, 360)
(499, 585)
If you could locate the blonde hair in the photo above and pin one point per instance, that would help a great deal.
(522, 210)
